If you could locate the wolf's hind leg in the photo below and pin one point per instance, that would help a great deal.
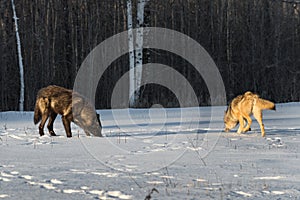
(258, 116)
(42, 124)
(52, 117)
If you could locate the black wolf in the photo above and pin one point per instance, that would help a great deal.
(73, 107)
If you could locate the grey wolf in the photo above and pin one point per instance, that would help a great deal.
(73, 107)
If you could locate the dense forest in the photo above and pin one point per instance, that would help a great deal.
(255, 45)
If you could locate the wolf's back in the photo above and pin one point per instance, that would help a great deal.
(264, 104)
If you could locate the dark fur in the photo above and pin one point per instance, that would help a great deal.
(54, 100)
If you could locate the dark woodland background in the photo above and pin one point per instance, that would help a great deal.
(255, 44)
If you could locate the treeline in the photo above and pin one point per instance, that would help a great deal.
(255, 45)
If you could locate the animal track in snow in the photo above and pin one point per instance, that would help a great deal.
(269, 178)
(244, 194)
(276, 142)
(4, 195)
(56, 181)
(8, 176)
(27, 177)
(48, 186)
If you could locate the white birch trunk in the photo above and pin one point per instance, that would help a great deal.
(131, 54)
(139, 48)
(21, 101)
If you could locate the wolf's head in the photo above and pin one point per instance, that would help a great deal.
(89, 122)
(229, 121)
(85, 116)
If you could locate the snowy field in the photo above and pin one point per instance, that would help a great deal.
(176, 154)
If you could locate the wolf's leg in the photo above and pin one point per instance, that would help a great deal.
(249, 122)
(87, 133)
(67, 125)
(241, 121)
(245, 121)
(52, 117)
(42, 124)
(258, 116)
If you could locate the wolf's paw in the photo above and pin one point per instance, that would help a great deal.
(52, 133)
(246, 130)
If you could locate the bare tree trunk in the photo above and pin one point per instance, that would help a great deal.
(131, 54)
(228, 32)
(139, 48)
(21, 101)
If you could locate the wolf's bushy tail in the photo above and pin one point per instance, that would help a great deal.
(37, 113)
(265, 104)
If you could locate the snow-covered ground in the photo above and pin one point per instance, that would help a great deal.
(175, 153)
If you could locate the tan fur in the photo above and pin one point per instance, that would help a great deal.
(242, 107)
(73, 107)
